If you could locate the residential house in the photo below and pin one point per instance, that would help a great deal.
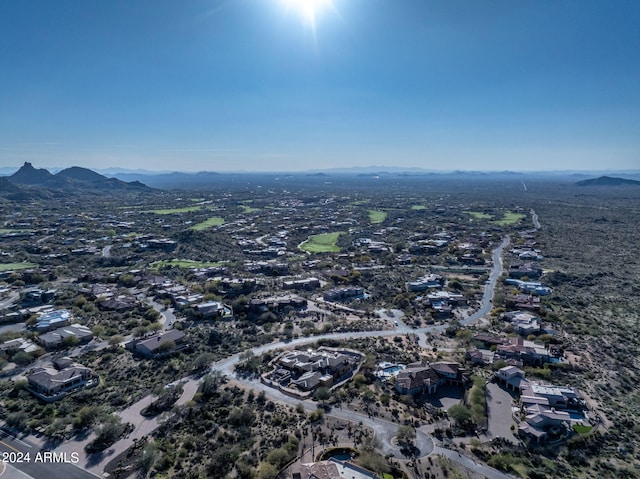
(345, 293)
(52, 320)
(528, 352)
(471, 259)
(522, 301)
(489, 339)
(163, 244)
(332, 469)
(305, 284)
(521, 270)
(119, 304)
(56, 338)
(213, 309)
(563, 397)
(269, 268)
(311, 369)
(530, 287)
(443, 302)
(430, 281)
(543, 424)
(524, 323)
(512, 378)
(528, 255)
(16, 345)
(277, 303)
(451, 298)
(403, 259)
(37, 296)
(50, 384)
(159, 345)
(482, 357)
(418, 379)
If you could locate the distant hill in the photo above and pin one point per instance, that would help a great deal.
(608, 181)
(15, 192)
(28, 175)
(69, 180)
(6, 186)
(177, 179)
(81, 174)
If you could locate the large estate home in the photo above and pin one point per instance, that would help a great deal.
(51, 384)
(526, 351)
(546, 408)
(277, 303)
(312, 369)
(419, 379)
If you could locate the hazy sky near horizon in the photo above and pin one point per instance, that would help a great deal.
(263, 85)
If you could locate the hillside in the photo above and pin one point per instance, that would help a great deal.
(607, 181)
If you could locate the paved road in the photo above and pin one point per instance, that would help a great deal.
(23, 455)
(499, 412)
(7, 471)
(13, 328)
(487, 298)
(106, 251)
(167, 315)
(534, 218)
(469, 463)
(7, 303)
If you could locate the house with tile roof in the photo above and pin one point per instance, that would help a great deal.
(418, 379)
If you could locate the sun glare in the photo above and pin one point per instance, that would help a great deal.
(308, 9)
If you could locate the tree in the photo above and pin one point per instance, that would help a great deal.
(86, 416)
(267, 471)
(22, 358)
(278, 457)
(210, 383)
(202, 361)
(148, 457)
(460, 413)
(116, 339)
(108, 433)
(127, 280)
(406, 435)
(322, 394)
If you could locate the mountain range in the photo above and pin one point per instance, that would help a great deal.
(29, 182)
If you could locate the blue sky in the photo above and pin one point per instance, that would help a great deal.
(253, 85)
